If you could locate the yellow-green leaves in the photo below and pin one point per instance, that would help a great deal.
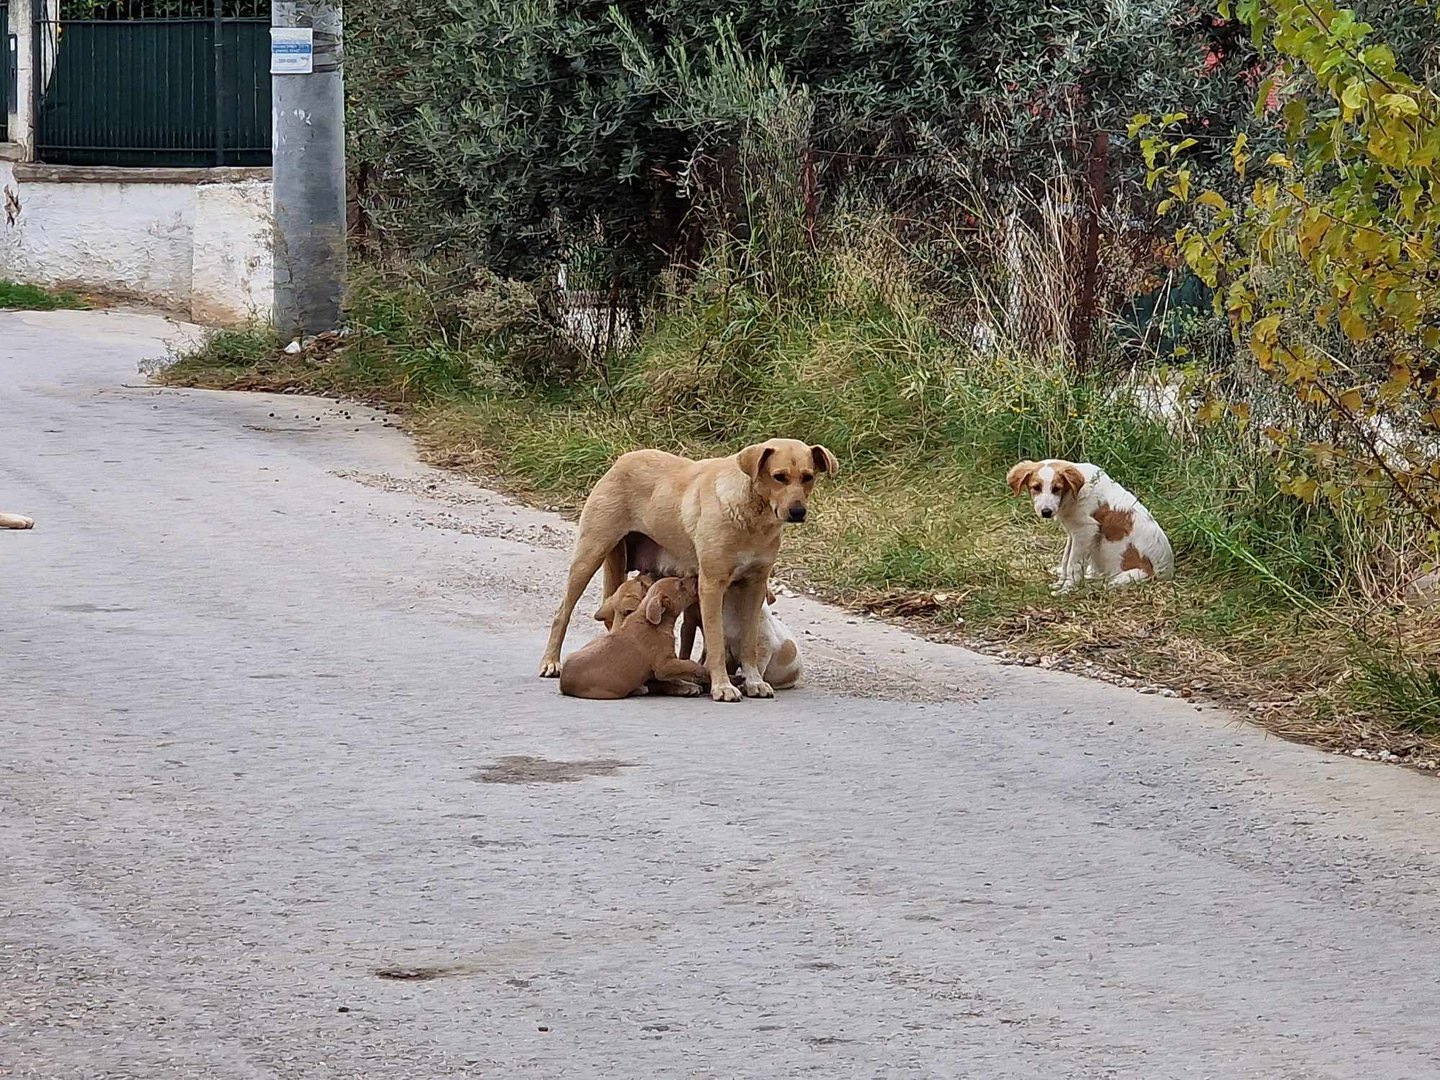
(1329, 272)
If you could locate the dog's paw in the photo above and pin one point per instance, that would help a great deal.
(724, 692)
(550, 669)
(686, 689)
(1060, 588)
(758, 688)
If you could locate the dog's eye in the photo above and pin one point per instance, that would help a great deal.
(782, 478)
(1035, 488)
(806, 477)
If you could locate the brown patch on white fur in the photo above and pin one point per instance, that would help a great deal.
(786, 654)
(1131, 559)
(1114, 524)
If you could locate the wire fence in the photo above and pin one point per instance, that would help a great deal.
(153, 83)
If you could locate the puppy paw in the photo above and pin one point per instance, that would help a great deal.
(758, 688)
(724, 692)
(550, 669)
(686, 689)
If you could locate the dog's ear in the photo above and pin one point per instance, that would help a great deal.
(1020, 475)
(753, 458)
(1074, 479)
(825, 461)
(655, 607)
(769, 596)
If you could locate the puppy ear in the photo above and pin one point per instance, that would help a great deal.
(769, 596)
(1074, 479)
(1020, 475)
(654, 607)
(824, 460)
(752, 459)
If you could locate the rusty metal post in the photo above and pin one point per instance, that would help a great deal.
(1082, 321)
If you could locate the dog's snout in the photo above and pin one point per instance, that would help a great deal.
(1047, 513)
(797, 513)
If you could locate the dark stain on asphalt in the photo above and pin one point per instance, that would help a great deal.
(424, 973)
(523, 769)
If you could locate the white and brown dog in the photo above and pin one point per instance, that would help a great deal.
(1109, 534)
(779, 656)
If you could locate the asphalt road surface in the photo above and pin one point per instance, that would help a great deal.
(280, 796)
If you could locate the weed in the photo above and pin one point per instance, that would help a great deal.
(14, 296)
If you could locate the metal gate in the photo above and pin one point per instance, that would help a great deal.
(153, 83)
(9, 64)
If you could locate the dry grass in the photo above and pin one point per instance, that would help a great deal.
(920, 527)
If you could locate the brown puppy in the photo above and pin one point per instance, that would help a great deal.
(627, 598)
(16, 521)
(622, 663)
(720, 518)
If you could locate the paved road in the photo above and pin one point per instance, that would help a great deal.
(269, 734)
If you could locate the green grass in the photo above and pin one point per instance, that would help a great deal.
(1265, 605)
(33, 298)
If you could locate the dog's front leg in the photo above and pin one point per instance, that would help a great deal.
(712, 625)
(752, 604)
(1064, 566)
(1072, 571)
(681, 678)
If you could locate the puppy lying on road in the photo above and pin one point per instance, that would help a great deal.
(1108, 533)
(623, 662)
(779, 655)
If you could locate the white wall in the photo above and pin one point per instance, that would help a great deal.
(232, 268)
(199, 249)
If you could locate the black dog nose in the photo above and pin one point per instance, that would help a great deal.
(1047, 512)
(797, 513)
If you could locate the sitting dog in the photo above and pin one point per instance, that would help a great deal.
(16, 521)
(643, 649)
(779, 654)
(1109, 534)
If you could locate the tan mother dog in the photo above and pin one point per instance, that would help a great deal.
(720, 518)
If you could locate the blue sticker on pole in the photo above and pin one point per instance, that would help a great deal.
(292, 50)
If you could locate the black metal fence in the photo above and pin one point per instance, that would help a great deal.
(8, 73)
(153, 83)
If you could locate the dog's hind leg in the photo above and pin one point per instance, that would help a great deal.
(1126, 577)
(589, 555)
(616, 567)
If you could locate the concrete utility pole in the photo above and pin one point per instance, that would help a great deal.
(309, 151)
